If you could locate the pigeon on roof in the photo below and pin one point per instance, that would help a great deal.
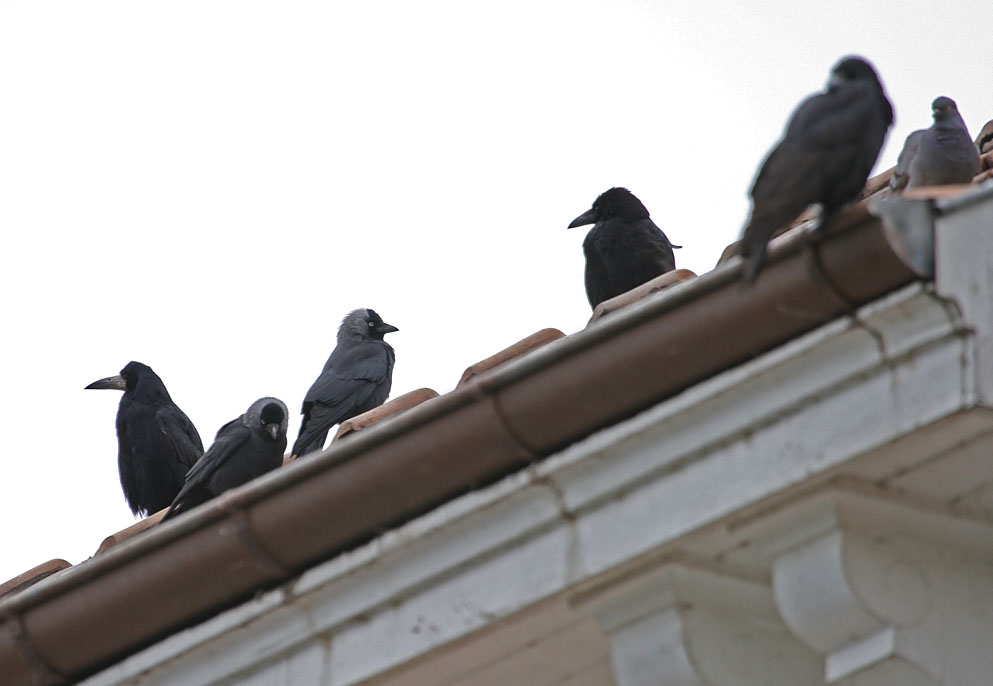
(939, 155)
(355, 379)
(830, 145)
(624, 249)
(244, 448)
(156, 442)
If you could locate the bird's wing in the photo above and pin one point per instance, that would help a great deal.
(346, 386)
(819, 138)
(655, 250)
(229, 438)
(179, 436)
(786, 185)
(901, 175)
(368, 363)
(599, 285)
(827, 120)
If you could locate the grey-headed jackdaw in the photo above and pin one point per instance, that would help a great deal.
(156, 442)
(624, 249)
(244, 448)
(942, 154)
(830, 145)
(355, 379)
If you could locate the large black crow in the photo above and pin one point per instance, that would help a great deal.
(830, 145)
(624, 249)
(156, 442)
(355, 379)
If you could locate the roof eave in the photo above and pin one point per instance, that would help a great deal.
(270, 530)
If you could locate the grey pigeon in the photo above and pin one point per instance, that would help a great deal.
(355, 379)
(624, 249)
(243, 449)
(156, 442)
(830, 145)
(942, 154)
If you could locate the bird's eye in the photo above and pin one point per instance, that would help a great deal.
(371, 324)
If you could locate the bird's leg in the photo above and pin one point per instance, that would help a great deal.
(823, 221)
(812, 239)
(812, 236)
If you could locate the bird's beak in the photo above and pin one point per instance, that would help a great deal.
(386, 328)
(583, 219)
(273, 430)
(114, 383)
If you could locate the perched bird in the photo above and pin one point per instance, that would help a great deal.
(156, 442)
(624, 249)
(830, 145)
(243, 449)
(355, 379)
(939, 155)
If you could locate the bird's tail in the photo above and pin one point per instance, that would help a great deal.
(309, 444)
(753, 265)
(171, 512)
(759, 231)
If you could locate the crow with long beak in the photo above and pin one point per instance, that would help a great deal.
(624, 249)
(156, 442)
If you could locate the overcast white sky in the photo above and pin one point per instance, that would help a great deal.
(208, 187)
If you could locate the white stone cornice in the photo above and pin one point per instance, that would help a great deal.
(688, 626)
(964, 275)
(883, 589)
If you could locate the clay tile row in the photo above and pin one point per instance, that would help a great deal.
(384, 411)
(657, 284)
(33, 576)
(521, 347)
(133, 530)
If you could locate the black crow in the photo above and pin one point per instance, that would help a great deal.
(624, 249)
(156, 442)
(830, 145)
(939, 155)
(355, 379)
(243, 449)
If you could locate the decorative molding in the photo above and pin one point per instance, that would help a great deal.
(686, 626)
(887, 592)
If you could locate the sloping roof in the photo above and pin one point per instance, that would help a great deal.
(518, 407)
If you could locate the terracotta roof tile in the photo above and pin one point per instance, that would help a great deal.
(877, 183)
(133, 530)
(655, 285)
(525, 345)
(393, 407)
(930, 192)
(33, 576)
